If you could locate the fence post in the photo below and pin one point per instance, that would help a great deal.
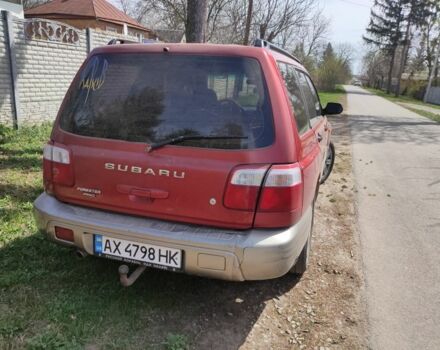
(10, 46)
(89, 36)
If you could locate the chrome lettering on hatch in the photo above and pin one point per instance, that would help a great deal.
(146, 171)
(89, 192)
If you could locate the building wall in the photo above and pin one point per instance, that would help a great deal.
(45, 69)
(15, 9)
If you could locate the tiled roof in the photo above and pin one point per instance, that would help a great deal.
(99, 9)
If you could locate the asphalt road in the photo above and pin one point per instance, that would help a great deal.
(396, 156)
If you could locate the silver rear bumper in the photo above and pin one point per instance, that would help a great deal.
(255, 254)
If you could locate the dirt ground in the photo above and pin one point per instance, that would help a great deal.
(322, 310)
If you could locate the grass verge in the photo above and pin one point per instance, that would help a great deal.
(430, 115)
(403, 99)
(332, 96)
(48, 298)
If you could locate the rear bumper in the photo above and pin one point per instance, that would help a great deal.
(255, 254)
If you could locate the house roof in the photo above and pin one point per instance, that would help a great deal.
(96, 9)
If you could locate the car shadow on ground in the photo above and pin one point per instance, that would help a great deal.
(47, 289)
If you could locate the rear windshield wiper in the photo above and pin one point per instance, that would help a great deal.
(182, 138)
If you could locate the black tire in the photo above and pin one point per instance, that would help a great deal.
(303, 260)
(329, 162)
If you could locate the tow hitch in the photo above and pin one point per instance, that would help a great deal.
(123, 275)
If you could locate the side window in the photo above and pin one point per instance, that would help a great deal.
(296, 97)
(312, 100)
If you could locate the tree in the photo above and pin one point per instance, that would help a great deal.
(273, 17)
(238, 21)
(334, 67)
(385, 30)
(247, 29)
(374, 65)
(431, 34)
(195, 25)
(135, 9)
(27, 4)
(416, 12)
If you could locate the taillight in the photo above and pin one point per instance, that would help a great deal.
(244, 186)
(57, 167)
(282, 189)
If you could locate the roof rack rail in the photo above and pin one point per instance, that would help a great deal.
(267, 44)
(117, 41)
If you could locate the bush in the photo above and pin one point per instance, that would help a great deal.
(413, 88)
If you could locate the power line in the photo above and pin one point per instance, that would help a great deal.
(356, 3)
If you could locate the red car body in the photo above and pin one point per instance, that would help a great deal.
(191, 185)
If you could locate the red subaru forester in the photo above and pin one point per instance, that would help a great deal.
(199, 158)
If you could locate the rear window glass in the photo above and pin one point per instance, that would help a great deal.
(155, 97)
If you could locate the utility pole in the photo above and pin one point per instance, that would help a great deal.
(431, 76)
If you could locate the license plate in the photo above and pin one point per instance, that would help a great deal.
(138, 253)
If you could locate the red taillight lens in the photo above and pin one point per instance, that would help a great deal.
(282, 189)
(57, 167)
(63, 233)
(244, 186)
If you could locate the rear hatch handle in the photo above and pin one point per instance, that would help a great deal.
(147, 193)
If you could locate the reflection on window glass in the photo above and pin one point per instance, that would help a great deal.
(295, 96)
(155, 97)
(311, 98)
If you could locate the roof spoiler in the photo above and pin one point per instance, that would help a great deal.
(268, 45)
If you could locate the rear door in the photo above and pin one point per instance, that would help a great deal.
(310, 150)
(317, 120)
(122, 103)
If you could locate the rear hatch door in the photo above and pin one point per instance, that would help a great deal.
(119, 105)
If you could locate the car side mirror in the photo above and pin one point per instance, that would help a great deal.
(333, 108)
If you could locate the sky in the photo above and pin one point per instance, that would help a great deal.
(349, 18)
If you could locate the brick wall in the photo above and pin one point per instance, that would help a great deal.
(45, 70)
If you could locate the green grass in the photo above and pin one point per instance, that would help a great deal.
(404, 99)
(332, 96)
(430, 115)
(50, 299)
(176, 342)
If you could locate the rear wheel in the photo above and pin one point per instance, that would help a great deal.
(303, 260)
(329, 162)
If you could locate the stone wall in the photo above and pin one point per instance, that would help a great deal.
(46, 62)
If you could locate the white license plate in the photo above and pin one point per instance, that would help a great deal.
(145, 254)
